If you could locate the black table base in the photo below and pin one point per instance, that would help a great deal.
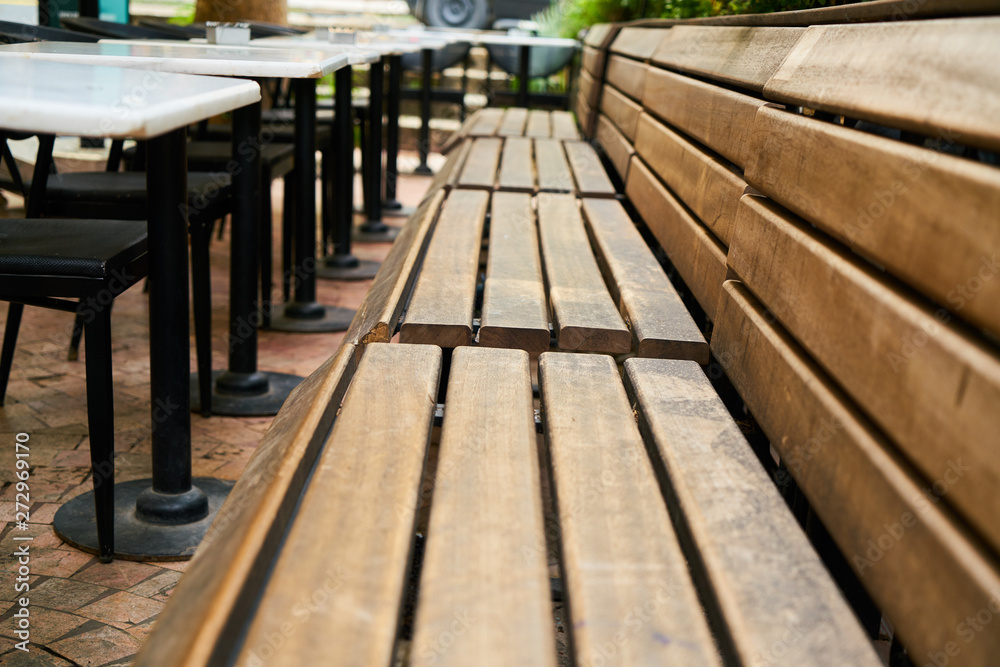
(259, 394)
(334, 269)
(424, 146)
(330, 318)
(375, 233)
(401, 211)
(136, 538)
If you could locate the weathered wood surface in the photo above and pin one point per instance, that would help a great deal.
(932, 387)
(592, 61)
(563, 125)
(513, 122)
(927, 217)
(584, 315)
(694, 251)
(440, 311)
(730, 509)
(515, 313)
(447, 176)
(539, 124)
(480, 168)
(342, 569)
(517, 165)
(588, 172)
(707, 186)
(628, 76)
(719, 118)
(660, 322)
(590, 88)
(483, 581)
(600, 35)
(744, 57)
(486, 122)
(638, 43)
(615, 145)
(584, 113)
(552, 169)
(206, 612)
(620, 553)
(933, 77)
(905, 545)
(621, 111)
(378, 316)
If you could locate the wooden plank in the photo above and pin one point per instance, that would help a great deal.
(621, 111)
(352, 533)
(486, 122)
(932, 387)
(927, 217)
(379, 314)
(440, 311)
(615, 146)
(480, 169)
(706, 185)
(933, 77)
(447, 176)
(514, 119)
(583, 313)
(563, 125)
(552, 168)
(459, 135)
(693, 250)
(600, 35)
(905, 546)
(584, 113)
(482, 582)
(862, 12)
(628, 76)
(719, 118)
(731, 508)
(539, 125)
(661, 325)
(517, 170)
(515, 314)
(212, 602)
(590, 88)
(745, 57)
(638, 43)
(588, 172)
(592, 61)
(620, 553)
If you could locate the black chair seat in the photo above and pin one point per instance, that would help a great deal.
(127, 187)
(92, 26)
(277, 158)
(72, 248)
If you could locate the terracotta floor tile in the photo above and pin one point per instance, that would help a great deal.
(159, 584)
(121, 574)
(64, 594)
(98, 647)
(57, 562)
(34, 658)
(122, 610)
(48, 625)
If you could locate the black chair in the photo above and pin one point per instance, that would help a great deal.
(12, 32)
(108, 29)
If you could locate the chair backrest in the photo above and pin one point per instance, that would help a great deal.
(92, 26)
(12, 32)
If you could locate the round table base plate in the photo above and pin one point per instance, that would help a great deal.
(401, 212)
(363, 271)
(388, 235)
(335, 319)
(423, 170)
(76, 525)
(279, 385)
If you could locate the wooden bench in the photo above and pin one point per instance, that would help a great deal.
(861, 343)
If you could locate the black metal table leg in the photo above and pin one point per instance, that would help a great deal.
(392, 133)
(163, 518)
(304, 314)
(342, 265)
(373, 229)
(522, 90)
(424, 146)
(243, 390)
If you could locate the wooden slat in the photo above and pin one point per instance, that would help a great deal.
(692, 249)
(905, 546)
(377, 317)
(483, 582)
(719, 118)
(539, 125)
(583, 314)
(731, 508)
(615, 145)
(745, 57)
(440, 311)
(628, 76)
(584, 113)
(517, 170)
(926, 217)
(934, 77)
(447, 176)
(638, 43)
(625, 575)
(588, 172)
(710, 189)
(661, 325)
(486, 123)
(621, 111)
(514, 311)
(932, 387)
(600, 34)
(563, 125)
(590, 89)
(593, 61)
(514, 119)
(213, 600)
(552, 168)
(343, 564)
(480, 169)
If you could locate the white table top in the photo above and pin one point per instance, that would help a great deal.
(484, 37)
(369, 41)
(185, 58)
(357, 55)
(84, 100)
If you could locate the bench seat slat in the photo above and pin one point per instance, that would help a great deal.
(539, 124)
(588, 172)
(480, 168)
(731, 509)
(638, 43)
(447, 176)
(621, 111)
(552, 168)
(618, 149)
(933, 388)
(590, 88)
(584, 112)
(626, 578)
(348, 548)
(693, 250)
(593, 60)
(660, 322)
(484, 580)
(905, 546)
(515, 313)
(440, 311)
(513, 122)
(486, 122)
(517, 167)
(563, 125)
(628, 76)
(583, 312)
